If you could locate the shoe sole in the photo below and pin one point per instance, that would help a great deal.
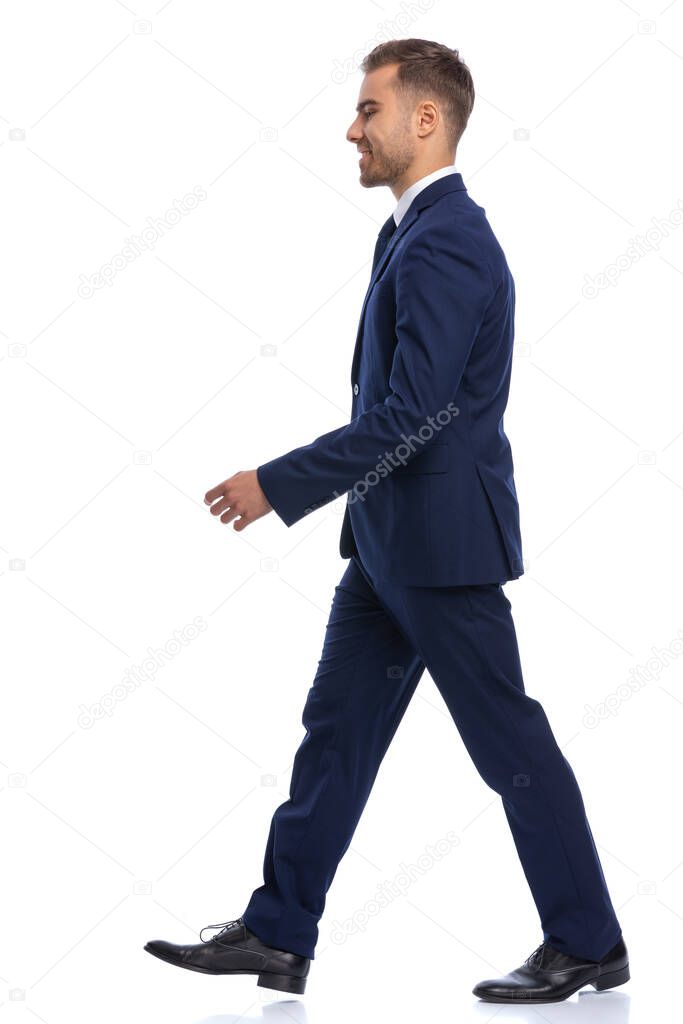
(604, 981)
(266, 979)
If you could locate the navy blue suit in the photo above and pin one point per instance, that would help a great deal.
(431, 528)
(430, 380)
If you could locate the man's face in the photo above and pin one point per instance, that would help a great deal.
(382, 130)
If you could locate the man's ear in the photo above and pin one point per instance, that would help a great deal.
(427, 118)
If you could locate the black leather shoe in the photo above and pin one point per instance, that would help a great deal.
(236, 950)
(548, 976)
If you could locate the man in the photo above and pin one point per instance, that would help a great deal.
(431, 528)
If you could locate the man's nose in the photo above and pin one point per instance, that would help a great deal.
(353, 134)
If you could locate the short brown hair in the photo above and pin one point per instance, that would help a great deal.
(428, 67)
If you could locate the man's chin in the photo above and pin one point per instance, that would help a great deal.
(369, 182)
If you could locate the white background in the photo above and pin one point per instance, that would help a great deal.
(122, 408)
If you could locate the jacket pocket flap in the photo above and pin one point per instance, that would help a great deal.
(434, 459)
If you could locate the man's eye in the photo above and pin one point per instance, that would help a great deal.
(369, 113)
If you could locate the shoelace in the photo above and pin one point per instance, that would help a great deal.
(534, 960)
(224, 925)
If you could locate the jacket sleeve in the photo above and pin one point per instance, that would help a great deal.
(443, 288)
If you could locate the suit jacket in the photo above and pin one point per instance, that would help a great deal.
(424, 461)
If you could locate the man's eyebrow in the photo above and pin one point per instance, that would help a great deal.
(366, 103)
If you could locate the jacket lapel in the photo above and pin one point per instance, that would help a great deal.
(449, 183)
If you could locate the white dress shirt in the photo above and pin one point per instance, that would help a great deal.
(417, 186)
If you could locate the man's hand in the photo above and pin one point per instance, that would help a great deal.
(239, 495)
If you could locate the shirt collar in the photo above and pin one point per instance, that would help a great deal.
(417, 186)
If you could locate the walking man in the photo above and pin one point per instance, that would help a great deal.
(431, 530)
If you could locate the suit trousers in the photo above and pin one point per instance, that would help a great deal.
(379, 639)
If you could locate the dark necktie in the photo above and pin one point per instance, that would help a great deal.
(386, 231)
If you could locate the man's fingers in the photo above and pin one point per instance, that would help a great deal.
(219, 506)
(230, 500)
(216, 492)
(230, 514)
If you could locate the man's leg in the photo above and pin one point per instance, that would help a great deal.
(366, 676)
(466, 638)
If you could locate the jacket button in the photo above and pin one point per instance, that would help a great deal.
(355, 389)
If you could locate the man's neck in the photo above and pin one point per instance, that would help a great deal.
(415, 174)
